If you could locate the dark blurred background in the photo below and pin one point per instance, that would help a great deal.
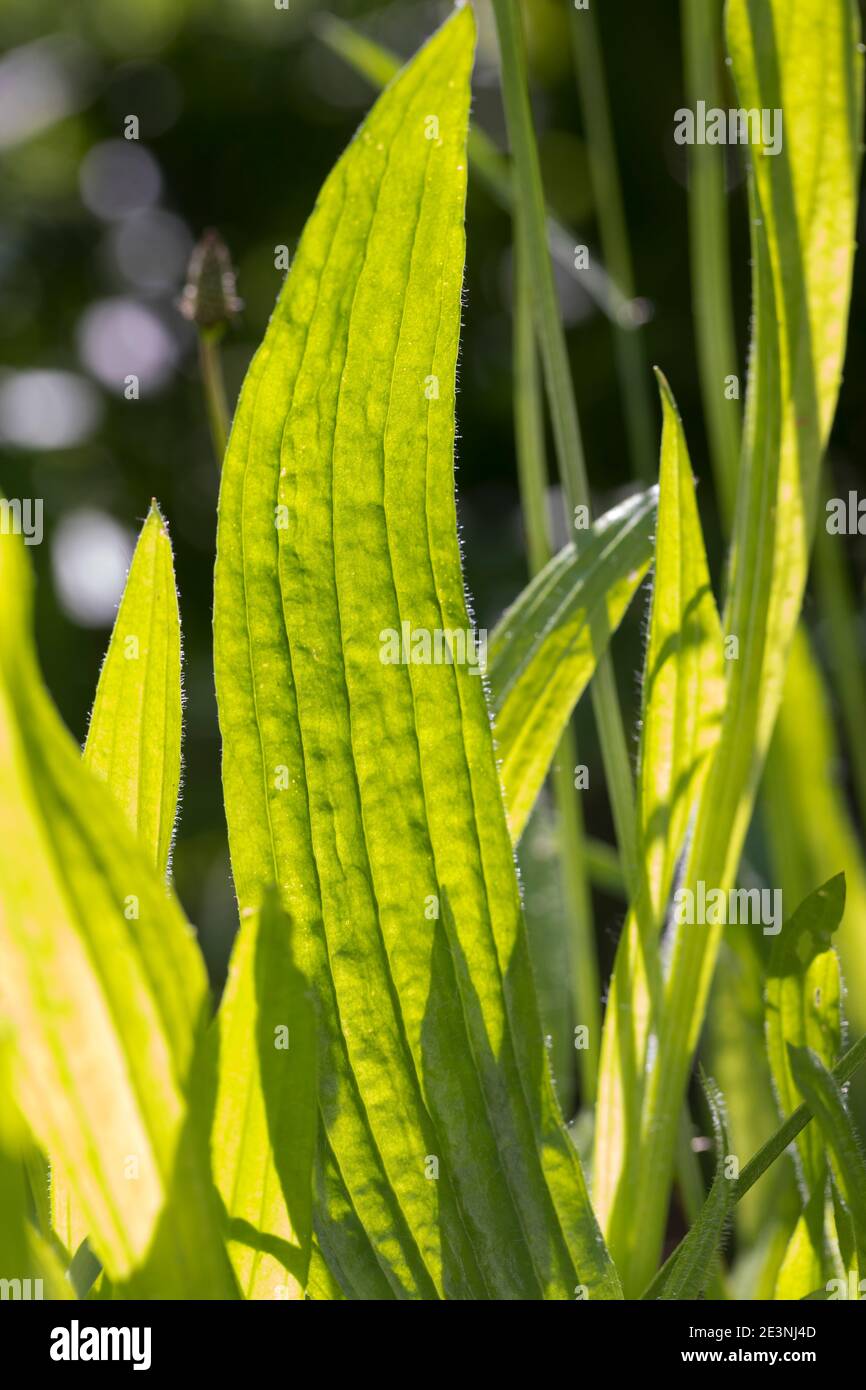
(242, 112)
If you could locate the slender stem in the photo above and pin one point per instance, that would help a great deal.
(532, 473)
(709, 247)
(631, 363)
(563, 409)
(214, 386)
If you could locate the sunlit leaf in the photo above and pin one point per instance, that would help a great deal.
(367, 789)
(133, 742)
(105, 990)
(683, 691)
(542, 654)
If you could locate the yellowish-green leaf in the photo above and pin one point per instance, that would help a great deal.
(264, 1129)
(683, 693)
(105, 989)
(366, 788)
(543, 653)
(133, 742)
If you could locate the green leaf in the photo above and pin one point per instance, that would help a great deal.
(105, 990)
(803, 208)
(687, 1272)
(368, 791)
(133, 743)
(264, 1128)
(823, 1094)
(542, 653)
(683, 693)
(803, 1004)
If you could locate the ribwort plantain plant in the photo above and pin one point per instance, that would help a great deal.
(370, 1112)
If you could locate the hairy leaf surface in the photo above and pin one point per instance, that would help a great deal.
(683, 692)
(133, 742)
(687, 1272)
(105, 989)
(368, 791)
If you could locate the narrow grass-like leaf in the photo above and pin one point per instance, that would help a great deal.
(683, 692)
(264, 1128)
(823, 1094)
(542, 653)
(134, 739)
(105, 989)
(133, 742)
(366, 787)
(688, 1272)
(803, 204)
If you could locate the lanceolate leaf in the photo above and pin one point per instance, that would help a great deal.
(823, 1094)
(683, 693)
(133, 743)
(264, 1129)
(542, 653)
(105, 990)
(366, 788)
(801, 61)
